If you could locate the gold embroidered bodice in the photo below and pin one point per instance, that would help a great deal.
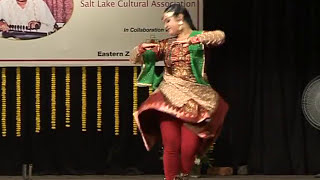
(177, 61)
(176, 57)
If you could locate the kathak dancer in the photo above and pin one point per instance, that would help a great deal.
(184, 111)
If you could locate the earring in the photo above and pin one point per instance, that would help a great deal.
(180, 23)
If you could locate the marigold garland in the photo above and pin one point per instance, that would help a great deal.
(53, 99)
(4, 102)
(68, 95)
(84, 100)
(18, 102)
(99, 99)
(212, 146)
(37, 103)
(135, 98)
(150, 90)
(116, 102)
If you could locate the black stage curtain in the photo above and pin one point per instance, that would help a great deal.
(68, 150)
(269, 56)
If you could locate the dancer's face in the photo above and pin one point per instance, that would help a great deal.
(171, 23)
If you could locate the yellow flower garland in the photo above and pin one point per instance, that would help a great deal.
(67, 100)
(99, 99)
(116, 102)
(84, 100)
(37, 94)
(212, 146)
(135, 98)
(150, 90)
(53, 99)
(18, 102)
(4, 102)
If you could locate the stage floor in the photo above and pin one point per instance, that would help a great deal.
(157, 177)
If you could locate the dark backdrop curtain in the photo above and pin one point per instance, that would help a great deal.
(271, 53)
(68, 150)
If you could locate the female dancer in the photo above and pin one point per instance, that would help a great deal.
(184, 110)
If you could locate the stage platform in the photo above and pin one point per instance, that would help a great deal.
(158, 177)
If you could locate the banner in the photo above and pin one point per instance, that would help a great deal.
(82, 32)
